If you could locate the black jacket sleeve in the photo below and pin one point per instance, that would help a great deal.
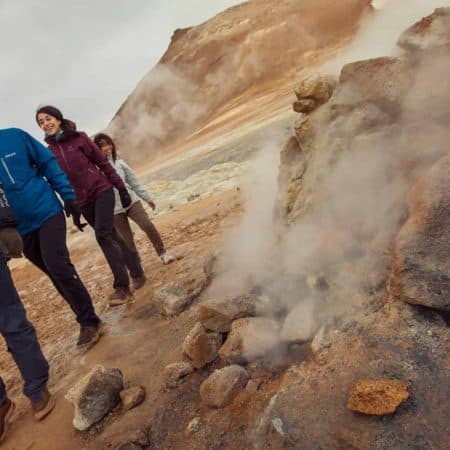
(7, 219)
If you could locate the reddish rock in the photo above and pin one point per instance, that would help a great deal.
(132, 397)
(223, 385)
(318, 88)
(201, 346)
(377, 397)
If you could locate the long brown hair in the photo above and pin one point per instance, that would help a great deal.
(104, 137)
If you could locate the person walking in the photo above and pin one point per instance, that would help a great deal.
(18, 332)
(135, 211)
(93, 179)
(31, 177)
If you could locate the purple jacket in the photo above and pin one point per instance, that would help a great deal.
(88, 170)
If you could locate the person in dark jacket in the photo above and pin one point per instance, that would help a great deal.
(31, 177)
(18, 332)
(93, 179)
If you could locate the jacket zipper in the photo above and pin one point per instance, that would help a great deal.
(8, 172)
(63, 155)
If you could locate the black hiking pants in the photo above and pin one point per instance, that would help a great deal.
(46, 248)
(100, 215)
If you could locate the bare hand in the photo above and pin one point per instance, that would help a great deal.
(152, 205)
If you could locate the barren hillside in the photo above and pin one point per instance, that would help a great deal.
(254, 49)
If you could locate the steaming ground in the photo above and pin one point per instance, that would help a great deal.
(199, 202)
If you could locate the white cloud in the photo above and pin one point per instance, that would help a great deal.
(85, 57)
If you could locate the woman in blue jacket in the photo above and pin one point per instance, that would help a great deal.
(31, 177)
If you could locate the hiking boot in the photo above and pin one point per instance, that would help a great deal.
(121, 296)
(139, 282)
(45, 406)
(166, 258)
(89, 336)
(6, 412)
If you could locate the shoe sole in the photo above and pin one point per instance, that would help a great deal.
(90, 344)
(46, 411)
(7, 422)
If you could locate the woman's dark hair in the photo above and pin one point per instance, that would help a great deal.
(66, 125)
(104, 137)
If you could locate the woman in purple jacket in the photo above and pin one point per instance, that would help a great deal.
(93, 179)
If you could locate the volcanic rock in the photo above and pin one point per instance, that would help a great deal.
(299, 324)
(95, 395)
(421, 271)
(132, 397)
(201, 346)
(430, 32)
(377, 397)
(223, 385)
(175, 373)
(218, 315)
(172, 299)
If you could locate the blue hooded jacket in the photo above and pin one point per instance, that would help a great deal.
(30, 177)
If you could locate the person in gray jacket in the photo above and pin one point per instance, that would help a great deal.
(136, 211)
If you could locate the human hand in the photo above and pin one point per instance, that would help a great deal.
(125, 198)
(11, 242)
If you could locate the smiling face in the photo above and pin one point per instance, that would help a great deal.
(49, 124)
(106, 147)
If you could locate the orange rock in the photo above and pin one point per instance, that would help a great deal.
(377, 397)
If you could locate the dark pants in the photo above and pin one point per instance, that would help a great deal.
(100, 215)
(46, 248)
(20, 338)
(138, 215)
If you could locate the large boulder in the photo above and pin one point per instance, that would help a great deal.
(430, 32)
(223, 385)
(95, 395)
(421, 270)
(201, 346)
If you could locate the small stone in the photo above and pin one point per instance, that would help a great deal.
(377, 397)
(304, 106)
(218, 315)
(320, 341)
(278, 426)
(299, 324)
(174, 374)
(252, 387)
(201, 346)
(95, 395)
(172, 299)
(316, 87)
(132, 397)
(222, 386)
(194, 425)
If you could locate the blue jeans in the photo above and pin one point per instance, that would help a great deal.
(21, 339)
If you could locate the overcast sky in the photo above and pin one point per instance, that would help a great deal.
(84, 56)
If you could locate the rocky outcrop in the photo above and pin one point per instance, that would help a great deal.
(421, 270)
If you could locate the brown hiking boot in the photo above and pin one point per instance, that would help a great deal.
(139, 282)
(121, 296)
(89, 336)
(45, 406)
(6, 411)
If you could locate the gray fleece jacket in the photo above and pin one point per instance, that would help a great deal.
(132, 183)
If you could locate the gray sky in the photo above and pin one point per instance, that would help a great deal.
(84, 56)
